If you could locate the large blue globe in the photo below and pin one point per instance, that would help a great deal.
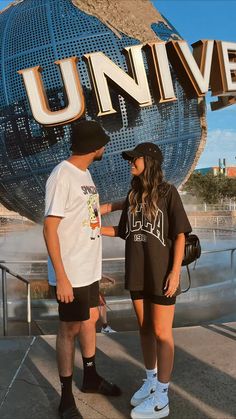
(39, 32)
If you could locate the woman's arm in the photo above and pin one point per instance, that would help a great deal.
(172, 281)
(111, 231)
(111, 206)
(178, 252)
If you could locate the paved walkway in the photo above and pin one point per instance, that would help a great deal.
(203, 384)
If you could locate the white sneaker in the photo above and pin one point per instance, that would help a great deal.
(150, 408)
(107, 330)
(148, 387)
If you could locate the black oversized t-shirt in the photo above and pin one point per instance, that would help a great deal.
(149, 245)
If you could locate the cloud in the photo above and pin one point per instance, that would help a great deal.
(222, 135)
(221, 143)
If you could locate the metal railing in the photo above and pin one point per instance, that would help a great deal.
(6, 270)
(217, 221)
(225, 206)
(230, 249)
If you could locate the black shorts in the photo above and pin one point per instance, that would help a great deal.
(79, 310)
(155, 299)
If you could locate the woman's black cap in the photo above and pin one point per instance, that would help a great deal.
(87, 136)
(144, 149)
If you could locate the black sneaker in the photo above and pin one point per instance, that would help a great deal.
(70, 413)
(104, 387)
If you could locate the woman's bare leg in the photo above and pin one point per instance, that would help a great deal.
(148, 340)
(162, 318)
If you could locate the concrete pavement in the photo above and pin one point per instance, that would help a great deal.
(203, 383)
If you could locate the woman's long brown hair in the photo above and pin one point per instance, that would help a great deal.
(148, 188)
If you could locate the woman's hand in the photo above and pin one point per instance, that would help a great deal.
(172, 283)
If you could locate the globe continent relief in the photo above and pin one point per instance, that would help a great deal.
(40, 32)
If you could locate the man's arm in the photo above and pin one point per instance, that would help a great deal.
(64, 288)
(110, 231)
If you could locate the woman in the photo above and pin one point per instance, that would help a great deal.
(106, 329)
(154, 224)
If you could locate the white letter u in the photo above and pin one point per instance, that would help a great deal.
(38, 99)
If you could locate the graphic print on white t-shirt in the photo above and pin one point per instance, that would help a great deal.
(72, 195)
(93, 210)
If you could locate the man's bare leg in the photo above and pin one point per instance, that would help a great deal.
(65, 347)
(87, 334)
(93, 382)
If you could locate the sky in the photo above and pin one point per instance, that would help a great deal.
(208, 19)
(205, 19)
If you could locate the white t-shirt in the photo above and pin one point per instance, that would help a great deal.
(72, 195)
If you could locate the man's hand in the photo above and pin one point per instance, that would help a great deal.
(111, 206)
(172, 284)
(64, 291)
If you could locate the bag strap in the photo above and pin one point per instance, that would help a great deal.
(187, 267)
(189, 281)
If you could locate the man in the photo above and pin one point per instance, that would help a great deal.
(72, 235)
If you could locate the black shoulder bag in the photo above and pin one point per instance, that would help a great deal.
(192, 252)
(192, 249)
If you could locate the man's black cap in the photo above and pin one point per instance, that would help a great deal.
(87, 136)
(144, 149)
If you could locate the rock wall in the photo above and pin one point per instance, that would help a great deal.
(131, 17)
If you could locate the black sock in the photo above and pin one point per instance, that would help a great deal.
(94, 383)
(104, 325)
(91, 377)
(67, 398)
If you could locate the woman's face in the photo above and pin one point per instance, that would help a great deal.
(137, 166)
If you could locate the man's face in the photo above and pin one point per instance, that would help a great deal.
(99, 153)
